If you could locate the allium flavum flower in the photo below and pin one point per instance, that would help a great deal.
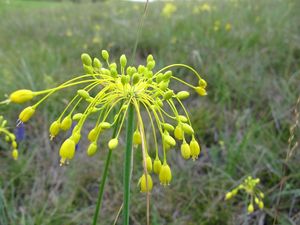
(108, 93)
(9, 137)
(254, 195)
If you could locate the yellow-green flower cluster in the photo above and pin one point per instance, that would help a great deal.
(255, 196)
(108, 93)
(9, 137)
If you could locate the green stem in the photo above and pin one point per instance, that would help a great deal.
(128, 164)
(103, 180)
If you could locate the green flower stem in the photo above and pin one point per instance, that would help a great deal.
(128, 164)
(103, 180)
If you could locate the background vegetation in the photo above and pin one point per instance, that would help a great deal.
(247, 50)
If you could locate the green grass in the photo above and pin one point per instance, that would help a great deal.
(253, 73)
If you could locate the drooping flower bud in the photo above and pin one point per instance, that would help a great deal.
(149, 164)
(201, 91)
(93, 134)
(113, 143)
(15, 154)
(66, 123)
(54, 129)
(146, 185)
(92, 149)
(250, 208)
(182, 95)
(178, 132)
(21, 96)
(185, 150)
(202, 83)
(195, 149)
(67, 151)
(165, 174)
(137, 139)
(26, 114)
(187, 128)
(156, 166)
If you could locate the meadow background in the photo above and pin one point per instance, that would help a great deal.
(247, 50)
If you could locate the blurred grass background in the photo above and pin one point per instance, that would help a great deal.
(249, 53)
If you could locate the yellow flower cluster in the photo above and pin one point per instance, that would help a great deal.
(169, 9)
(9, 137)
(108, 93)
(249, 185)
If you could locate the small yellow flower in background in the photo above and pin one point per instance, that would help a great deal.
(107, 92)
(96, 40)
(217, 25)
(9, 137)
(205, 7)
(254, 195)
(69, 33)
(169, 9)
(228, 27)
(97, 27)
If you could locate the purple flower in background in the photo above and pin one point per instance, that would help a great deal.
(20, 132)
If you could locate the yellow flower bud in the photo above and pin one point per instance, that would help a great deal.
(21, 96)
(256, 200)
(76, 137)
(14, 144)
(54, 128)
(137, 139)
(26, 114)
(105, 54)
(168, 127)
(185, 150)
(261, 204)
(93, 134)
(83, 93)
(182, 95)
(151, 65)
(123, 60)
(163, 85)
(104, 125)
(167, 75)
(66, 123)
(149, 58)
(187, 128)
(182, 118)
(113, 143)
(156, 166)
(250, 208)
(169, 140)
(15, 154)
(201, 91)
(86, 59)
(77, 116)
(146, 185)
(97, 63)
(165, 174)
(169, 94)
(88, 69)
(202, 83)
(195, 149)
(67, 150)
(228, 195)
(178, 132)
(149, 164)
(92, 149)
(135, 78)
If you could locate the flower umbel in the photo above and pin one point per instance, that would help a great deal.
(107, 94)
(9, 137)
(254, 195)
